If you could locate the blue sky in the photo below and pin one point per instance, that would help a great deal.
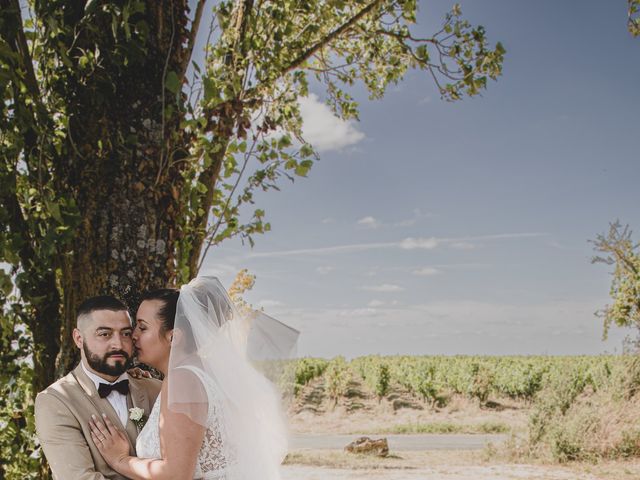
(461, 228)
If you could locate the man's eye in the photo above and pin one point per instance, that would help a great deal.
(127, 334)
(103, 334)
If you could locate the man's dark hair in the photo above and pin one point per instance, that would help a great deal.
(101, 302)
(169, 299)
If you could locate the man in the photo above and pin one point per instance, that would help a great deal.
(98, 386)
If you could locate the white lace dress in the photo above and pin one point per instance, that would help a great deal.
(212, 462)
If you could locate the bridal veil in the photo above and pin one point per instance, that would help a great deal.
(231, 353)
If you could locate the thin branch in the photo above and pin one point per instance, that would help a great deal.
(212, 28)
(211, 236)
(407, 36)
(304, 56)
(209, 176)
(193, 33)
(164, 77)
(23, 51)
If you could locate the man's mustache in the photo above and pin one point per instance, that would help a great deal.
(119, 352)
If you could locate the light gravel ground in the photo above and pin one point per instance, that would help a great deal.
(443, 465)
(472, 472)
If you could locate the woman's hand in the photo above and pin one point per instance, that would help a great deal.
(111, 442)
(137, 372)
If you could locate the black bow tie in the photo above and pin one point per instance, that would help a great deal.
(104, 389)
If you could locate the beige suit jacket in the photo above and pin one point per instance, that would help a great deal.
(63, 411)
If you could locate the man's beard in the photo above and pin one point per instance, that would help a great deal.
(100, 365)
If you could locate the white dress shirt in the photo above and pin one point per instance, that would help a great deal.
(117, 400)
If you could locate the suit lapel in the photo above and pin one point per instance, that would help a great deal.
(102, 405)
(138, 395)
(138, 399)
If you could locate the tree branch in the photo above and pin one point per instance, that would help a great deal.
(304, 56)
(22, 47)
(211, 235)
(193, 33)
(231, 112)
(408, 36)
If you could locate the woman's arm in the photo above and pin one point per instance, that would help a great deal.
(181, 442)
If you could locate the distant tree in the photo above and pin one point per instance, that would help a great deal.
(620, 251)
(634, 17)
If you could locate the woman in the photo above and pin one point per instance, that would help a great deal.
(216, 416)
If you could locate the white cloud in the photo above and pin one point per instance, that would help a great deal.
(219, 270)
(267, 303)
(375, 303)
(323, 270)
(407, 222)
(369, 222)
(426, 271)
(499, 236)
(423, 243)
(358, 312)
(328, 220)
(356, 247)
(410, 222)
(463, 245)
(385, 287)
(409, 243)
(322, 129)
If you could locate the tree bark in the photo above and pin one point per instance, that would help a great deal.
(124, 168)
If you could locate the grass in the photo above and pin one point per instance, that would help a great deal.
(445, 428)
(395, 461)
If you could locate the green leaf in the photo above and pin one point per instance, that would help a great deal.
(172, 82)
(6, 284)
(54, 210)
(284, 141)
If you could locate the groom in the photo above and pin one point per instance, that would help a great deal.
(98, 385)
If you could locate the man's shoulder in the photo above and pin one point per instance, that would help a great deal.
(61, 386)
(60, 397)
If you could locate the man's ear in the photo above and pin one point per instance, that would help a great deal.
(77, 338)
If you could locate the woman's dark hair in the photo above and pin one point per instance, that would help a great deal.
(169, 299)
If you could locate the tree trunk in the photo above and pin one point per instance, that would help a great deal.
(123, 172)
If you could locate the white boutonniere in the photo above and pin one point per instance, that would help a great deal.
(137, 416)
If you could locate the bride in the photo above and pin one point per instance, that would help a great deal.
(217, 417)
